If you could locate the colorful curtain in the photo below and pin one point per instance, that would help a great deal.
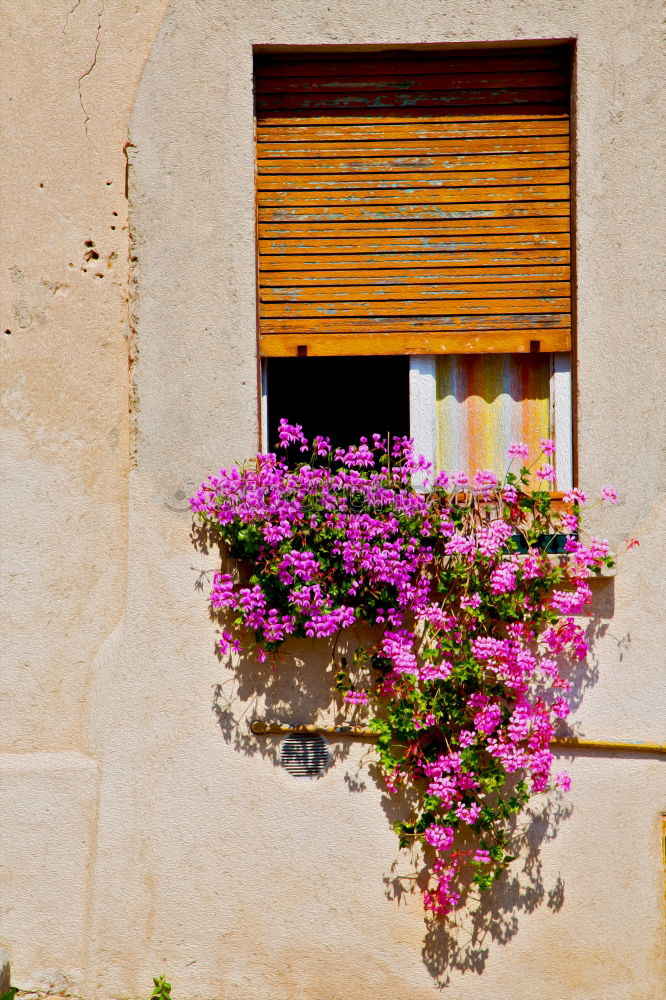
(487, 401)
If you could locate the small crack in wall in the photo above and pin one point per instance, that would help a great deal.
(88, 71)
(132, 344)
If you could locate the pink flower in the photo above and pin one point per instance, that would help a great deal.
(608, 494)
(459, 479)
(432, 672)
(290, 433)
(563, 781)
(575, 496)
(228, 644)
(356, 697)
(488, 719)
(545, 472)
(510, 493)
(469, 814)
(569, 522)
(561, 708)
(481, 857)
(518, 450)
(222, 595)
(321, 445)
(439, 837)
(503, 579)
(485, 479)
(547, 446)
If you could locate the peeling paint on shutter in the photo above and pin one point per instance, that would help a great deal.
(413, 203)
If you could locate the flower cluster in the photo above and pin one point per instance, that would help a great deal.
(475, 620)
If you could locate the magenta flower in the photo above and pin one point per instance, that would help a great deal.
(356, 697)
(469, 814)
(545, 472)
(608, 494)
(518, 450)
(485, 479)
(439, 837)
(575, 496)
(510, 493)
(547, 446)
(459, 479)
(290, 433)
(569, 522)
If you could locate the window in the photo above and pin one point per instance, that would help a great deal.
(416, 204)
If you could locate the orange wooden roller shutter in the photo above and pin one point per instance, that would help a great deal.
(413, 203)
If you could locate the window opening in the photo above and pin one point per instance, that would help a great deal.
(343, 398)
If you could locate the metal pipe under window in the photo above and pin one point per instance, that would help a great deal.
(260, 728)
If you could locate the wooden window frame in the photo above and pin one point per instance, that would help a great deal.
(422, 380)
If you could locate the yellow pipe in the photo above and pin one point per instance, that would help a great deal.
(364, 733)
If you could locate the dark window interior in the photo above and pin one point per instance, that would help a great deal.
(339, 397)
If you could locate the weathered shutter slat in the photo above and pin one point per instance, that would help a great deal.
(426, 323)
(414, 162)
(292, 185)
(409, 62)
(421, 99)
(388, 228)
(412, 131)
(414, 196)
(452, 242)
(402, 116)
(411, 84)
(336, 261)
(381, 293)
(413, 203)
(418, 147)
(454, 276)
(408, 210)
(408, 307)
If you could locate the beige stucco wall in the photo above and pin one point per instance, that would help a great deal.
(141, 831)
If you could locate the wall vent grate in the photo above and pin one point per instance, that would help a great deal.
(305, 755)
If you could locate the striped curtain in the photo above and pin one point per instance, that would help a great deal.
(485, 402)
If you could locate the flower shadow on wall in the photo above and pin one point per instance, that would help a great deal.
(450, 621)
(292, 688)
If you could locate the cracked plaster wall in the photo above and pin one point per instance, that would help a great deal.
(193, 853)
(70, 75)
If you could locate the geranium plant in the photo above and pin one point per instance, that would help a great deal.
(473, 617)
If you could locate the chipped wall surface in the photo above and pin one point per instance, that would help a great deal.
(143, 829)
